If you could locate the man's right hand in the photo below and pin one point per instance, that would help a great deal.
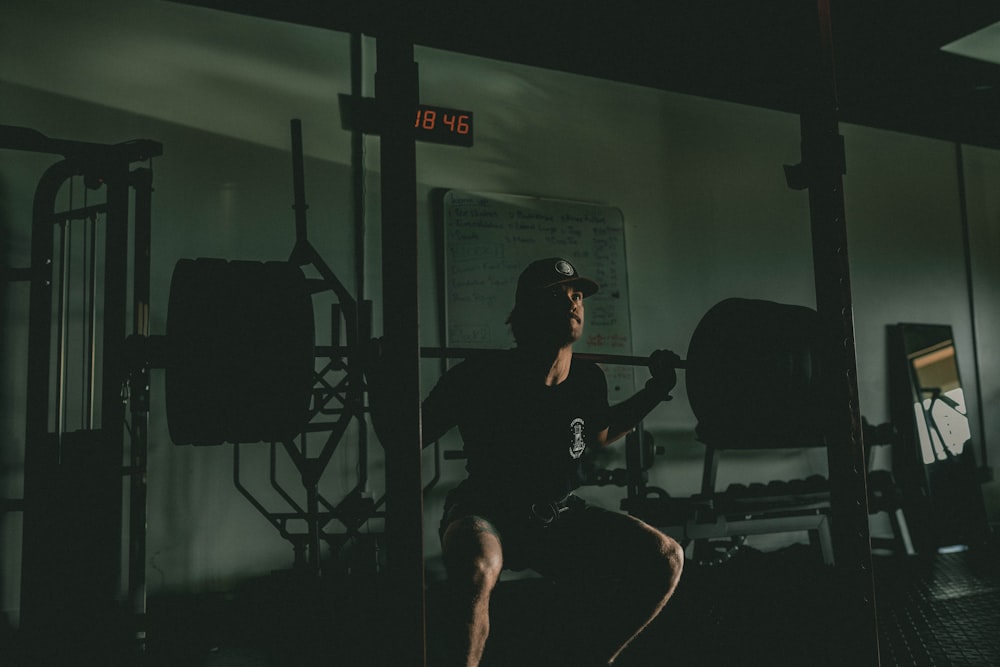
(663, 369)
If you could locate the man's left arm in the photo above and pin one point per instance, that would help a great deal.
(626, 415)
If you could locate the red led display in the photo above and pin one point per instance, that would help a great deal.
(443, 126)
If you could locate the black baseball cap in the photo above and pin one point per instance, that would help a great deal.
(549, 272)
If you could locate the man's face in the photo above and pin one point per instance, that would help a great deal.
(558, 314)
(575, 298)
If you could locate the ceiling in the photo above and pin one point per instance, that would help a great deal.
(891, 71)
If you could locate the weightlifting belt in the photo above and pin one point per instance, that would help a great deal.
(544, 514)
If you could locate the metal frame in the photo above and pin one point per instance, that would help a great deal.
(52, 456)
(821, 173)
(337, 401)
(396, 88)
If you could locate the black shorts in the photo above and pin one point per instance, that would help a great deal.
(583, 539)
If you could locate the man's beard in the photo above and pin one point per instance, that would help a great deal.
(551, 331)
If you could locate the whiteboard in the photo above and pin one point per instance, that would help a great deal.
(490, 238)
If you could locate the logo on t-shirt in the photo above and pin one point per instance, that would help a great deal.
(577, 446)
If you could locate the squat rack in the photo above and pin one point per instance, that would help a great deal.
(820, 172)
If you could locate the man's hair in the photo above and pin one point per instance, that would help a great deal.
(516, 321)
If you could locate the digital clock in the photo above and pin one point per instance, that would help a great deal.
(442, 125)
(439, 125)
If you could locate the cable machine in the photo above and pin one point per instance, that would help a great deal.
(87, 402)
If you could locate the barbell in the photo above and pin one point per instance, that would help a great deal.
(596, 357)
(241, 357)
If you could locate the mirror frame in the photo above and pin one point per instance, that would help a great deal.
(942, 498)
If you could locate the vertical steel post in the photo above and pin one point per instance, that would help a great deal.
(298, 182)
(822, 169)
(358, 170)
(985, 472)
(396, 103)
(41, 455)
(117, 180)
(142, 181)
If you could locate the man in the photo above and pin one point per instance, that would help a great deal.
(526, 416)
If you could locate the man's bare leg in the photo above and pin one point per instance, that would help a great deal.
(474, 559)
(647, 564)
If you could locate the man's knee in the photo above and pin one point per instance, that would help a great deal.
(672, 558)
(472, 551)
(662, 561)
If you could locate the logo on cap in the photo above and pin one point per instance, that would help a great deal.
(565, 268)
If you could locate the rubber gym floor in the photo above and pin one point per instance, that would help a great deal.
(782, 607)
(776, 608)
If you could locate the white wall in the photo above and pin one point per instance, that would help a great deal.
(981, 171)
(700, 184)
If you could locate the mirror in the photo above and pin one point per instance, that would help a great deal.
(933, 460)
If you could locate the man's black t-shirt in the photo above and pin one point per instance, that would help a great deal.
(523, 440)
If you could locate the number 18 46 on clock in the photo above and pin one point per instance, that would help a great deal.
(441, 125)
